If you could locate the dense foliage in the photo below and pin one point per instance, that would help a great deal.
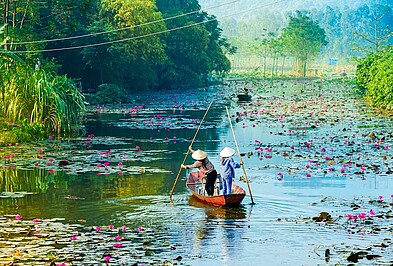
(375, 76)
(135, 44)
(196, 50)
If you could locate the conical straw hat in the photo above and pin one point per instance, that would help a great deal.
(199, 155)
(227, 152)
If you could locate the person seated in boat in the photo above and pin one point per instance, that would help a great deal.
(227, 169)
(205, 167)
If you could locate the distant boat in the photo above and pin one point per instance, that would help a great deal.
(244, 97)
(195, 185)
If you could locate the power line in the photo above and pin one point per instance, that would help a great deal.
(125, 28)
(146, 35)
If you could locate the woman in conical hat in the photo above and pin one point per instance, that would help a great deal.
(227, 169)
(206, 168)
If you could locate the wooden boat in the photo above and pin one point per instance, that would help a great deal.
(196, 186)
(244, 97)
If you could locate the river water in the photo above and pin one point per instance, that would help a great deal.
(285, 136)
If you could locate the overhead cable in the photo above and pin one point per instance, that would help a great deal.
(142, 36)
(125, 28)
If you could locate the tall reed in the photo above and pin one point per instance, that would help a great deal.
(39, 97)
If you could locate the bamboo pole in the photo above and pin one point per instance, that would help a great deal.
(188, 150)
(238, 152)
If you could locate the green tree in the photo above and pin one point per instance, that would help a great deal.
(196, 50)
(138, 59)
(304, 38)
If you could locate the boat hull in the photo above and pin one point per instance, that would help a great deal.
(194, 183)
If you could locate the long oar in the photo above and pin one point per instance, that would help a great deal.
(188, 150)
(238, 152)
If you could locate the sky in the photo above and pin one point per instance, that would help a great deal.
(226, 7)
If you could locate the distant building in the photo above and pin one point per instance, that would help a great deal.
(333, 61)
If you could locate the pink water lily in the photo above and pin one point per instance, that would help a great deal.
(349, 216)
(118, 245)
(18, 217)
(362, 215)
(73, 238)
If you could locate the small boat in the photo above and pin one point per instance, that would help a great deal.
(244, 97)
(196, 186)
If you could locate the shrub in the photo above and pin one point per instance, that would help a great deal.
(375, 74)
(109, 93)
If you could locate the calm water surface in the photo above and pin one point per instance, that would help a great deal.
(267, 233)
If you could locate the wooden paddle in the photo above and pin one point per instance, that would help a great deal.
(188, 150)
(238, 152)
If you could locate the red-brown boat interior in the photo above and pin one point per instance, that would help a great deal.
(195, 184)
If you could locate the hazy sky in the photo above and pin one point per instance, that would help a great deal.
(227, 7)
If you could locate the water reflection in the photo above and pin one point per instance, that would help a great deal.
(224, 226)
(221, 212)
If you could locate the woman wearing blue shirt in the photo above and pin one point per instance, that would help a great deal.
(227, 167)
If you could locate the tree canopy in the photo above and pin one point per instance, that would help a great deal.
(135, 44)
